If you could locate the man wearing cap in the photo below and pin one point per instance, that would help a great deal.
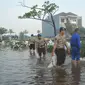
(41, 46)
(59, 47)
(75, 47)
(31, 43)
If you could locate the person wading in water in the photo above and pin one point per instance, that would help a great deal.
(41, 46)
(75, 47)
(59, 47)
(31, 43)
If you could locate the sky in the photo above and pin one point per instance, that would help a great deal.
(10, 10)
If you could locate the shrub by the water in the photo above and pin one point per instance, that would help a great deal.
(83, 49)
(49, 49)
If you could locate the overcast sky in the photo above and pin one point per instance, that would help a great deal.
(9, 12)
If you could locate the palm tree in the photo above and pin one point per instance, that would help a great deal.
(2, 31)
(10, 31)
(21, 36)
(25, 32)
(38, 31)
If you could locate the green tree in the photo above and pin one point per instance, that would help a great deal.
(38, 31)
(21, 36)
(69, 26)
(25, 32)
(82, 30)
(83, 48)
(3, 30)
(48, 9)
(10, 31)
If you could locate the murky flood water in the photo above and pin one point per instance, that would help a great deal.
(18, 68)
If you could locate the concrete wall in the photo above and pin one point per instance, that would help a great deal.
(80, 22)
(47, 29)
(56, 19)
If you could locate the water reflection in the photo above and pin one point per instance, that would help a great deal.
(40, 72)
(39, 61)
(76, 74)
(40, 78)
(17, 68)
(43, 75)
(59, 76)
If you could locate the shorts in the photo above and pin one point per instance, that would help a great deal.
(75, 52)
(32, 46)
(41, 50)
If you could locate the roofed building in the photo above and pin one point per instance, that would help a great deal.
(60, 20)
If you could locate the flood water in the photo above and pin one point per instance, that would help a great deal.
(18, 68)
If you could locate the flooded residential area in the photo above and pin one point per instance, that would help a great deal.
(18, 68)
(42, 42)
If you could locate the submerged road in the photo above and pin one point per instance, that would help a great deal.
(19, 68)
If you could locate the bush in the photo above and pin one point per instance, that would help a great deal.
(50, 48)
(83, 49)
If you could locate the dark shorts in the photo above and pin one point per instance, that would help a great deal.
(32, 46)
(61, 56)
(41, 50)
(75, 52)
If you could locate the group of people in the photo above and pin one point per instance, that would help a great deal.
(39, 44)
(59, 47)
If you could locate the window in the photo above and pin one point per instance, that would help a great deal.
(62, 20)
(75, 20)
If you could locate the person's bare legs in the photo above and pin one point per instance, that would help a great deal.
(39, 53)
(74, 62)
(30, 52)
(78, 62)
(44, 56)
(33, 52)
(78, 59)
(44, 53)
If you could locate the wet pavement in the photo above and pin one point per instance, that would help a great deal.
(18, 68)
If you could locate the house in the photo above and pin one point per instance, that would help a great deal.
(60, 20)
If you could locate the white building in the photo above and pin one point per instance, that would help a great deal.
(60, 20)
